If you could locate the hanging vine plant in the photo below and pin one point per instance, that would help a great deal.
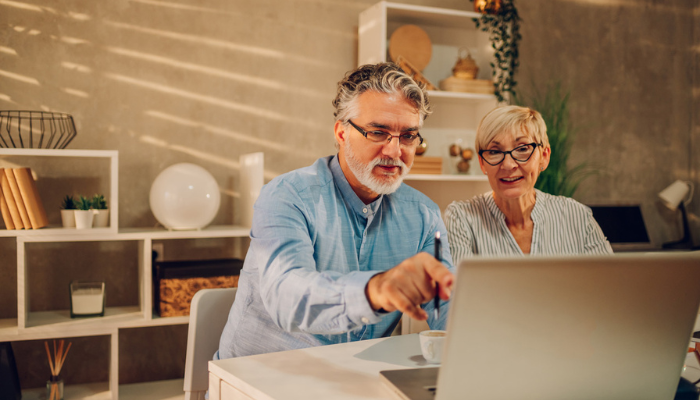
(500, 19)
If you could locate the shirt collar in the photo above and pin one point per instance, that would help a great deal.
(537, 214)
(351, 198)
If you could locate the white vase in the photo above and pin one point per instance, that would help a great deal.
(83, 219)
(101, 218)
(68, 218)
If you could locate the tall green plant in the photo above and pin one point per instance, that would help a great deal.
(559, 178)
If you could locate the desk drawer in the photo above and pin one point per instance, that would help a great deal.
(229, 392)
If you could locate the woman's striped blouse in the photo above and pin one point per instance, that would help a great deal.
(561, 226)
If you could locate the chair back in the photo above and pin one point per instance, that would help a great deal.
(208, 315)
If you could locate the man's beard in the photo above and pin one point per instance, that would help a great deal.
(363, 172)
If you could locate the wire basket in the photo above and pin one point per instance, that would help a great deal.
(36, 129)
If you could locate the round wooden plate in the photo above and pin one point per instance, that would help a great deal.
(412, 43)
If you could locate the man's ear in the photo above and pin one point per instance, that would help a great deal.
(340, 133)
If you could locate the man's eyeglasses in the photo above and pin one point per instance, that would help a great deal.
(521, 154)
(405, 139)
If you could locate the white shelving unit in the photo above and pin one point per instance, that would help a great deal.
(455, 115)
(30, 325)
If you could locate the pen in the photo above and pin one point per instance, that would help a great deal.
(438, 256)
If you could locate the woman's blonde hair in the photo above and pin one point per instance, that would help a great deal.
(512, 120)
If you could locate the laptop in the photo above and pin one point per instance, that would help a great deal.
(593, 327)
(623, 226)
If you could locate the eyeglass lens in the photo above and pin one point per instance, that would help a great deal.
(404, 140)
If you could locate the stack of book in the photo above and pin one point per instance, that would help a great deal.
(427, 165)
(20, 204)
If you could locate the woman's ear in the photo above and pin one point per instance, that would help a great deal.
(544, 160)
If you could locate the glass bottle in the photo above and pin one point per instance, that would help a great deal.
(54, 388)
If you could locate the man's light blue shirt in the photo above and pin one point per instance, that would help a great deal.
(314, 246)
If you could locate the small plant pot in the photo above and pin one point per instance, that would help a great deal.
(68, 218)
(83, 219)
(101, 219)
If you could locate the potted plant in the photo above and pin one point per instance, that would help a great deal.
(67, 212)
(84, 215)
(560, 178)
(99, 208)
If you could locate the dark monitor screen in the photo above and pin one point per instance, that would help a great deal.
(621, 224)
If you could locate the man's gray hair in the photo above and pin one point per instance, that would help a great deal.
(383, 78)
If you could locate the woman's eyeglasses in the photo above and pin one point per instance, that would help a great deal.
(521, 154)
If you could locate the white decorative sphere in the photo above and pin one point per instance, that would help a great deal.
(185, 196)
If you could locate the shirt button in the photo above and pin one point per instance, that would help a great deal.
(364, 210)
(365, 320)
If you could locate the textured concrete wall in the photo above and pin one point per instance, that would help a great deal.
(629, 68)
(695, 132)
(167, 81)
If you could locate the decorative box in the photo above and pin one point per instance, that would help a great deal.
(176, 282)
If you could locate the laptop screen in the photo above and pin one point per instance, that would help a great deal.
(621, 224)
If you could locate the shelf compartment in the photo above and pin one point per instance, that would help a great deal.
(449, 30)
(111, 157)
(46, 303)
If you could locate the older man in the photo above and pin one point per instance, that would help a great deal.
(341, 248)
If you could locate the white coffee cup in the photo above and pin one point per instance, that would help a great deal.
(431, 343)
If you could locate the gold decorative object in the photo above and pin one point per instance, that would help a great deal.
(466, 67)
(464, 74)
(422, 148)
(487, 6)
(465, 155)
(455, 150)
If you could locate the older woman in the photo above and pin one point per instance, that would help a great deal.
(515, 218)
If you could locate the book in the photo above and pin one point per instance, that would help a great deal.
(6, 217)
(18, 198)
(30, 196)
(10, 200)
(426, 165)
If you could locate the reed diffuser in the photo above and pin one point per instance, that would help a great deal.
(54, 387)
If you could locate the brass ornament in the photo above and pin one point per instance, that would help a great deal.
(465, 155)
(466, 67)
(422, 148)
(487, 6)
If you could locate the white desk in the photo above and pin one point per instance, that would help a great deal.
(338, 372)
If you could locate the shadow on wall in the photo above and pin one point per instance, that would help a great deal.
(165, 82)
